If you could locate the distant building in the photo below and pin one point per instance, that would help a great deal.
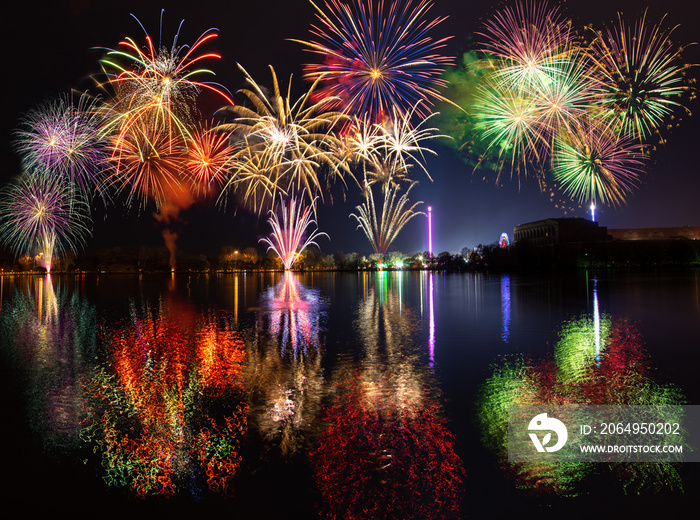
(664, 233)
(560, 230)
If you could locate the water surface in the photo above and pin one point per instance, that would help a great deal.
(333, 395)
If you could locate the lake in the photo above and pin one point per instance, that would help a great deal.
(334, 395)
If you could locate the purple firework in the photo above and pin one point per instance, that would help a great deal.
(40, 214)
(61, 138)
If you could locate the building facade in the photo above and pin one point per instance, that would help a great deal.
(560, 230)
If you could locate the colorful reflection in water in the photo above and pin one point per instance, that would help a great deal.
(52, 332)
(383, 456)
(291, 313)
(328, 400)
(386, 451)
(284, 374)
(597, 361)
(165, 410)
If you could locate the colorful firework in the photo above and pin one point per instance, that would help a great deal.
(394, 216)
(402, 141)
(377, 55)
(283, 144)
(639, 75)
(509, 124)
(537, 84)
(546, 103)
(41, 214)
(61, 138)
(208, 160)
(528, 39)
(157, 85)
(288, 234)
(147, 164)
(597, 164)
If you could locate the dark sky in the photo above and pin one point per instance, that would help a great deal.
(48, 50)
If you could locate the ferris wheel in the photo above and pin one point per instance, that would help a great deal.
(504, 242)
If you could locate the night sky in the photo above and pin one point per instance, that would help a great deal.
(48, 50)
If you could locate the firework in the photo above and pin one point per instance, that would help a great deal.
(61, 138)
(597, 164)
(547, 103)
(287, 239)
(538, 83)
(529, 40)
(156, 86)
(208, 160)
(147, 164)
(402, 141)
(389, 150)
(377, 55)
(283, 144)
(639, 75)
(509, 124)
(394, 216)
(40, 214)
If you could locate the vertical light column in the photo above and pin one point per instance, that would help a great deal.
(593, 211)
(431, 321)
(430, 230)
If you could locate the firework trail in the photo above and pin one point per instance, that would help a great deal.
(382, 231)
(40, 214)
(289, 224)
(377, 55)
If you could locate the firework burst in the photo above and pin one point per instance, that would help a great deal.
(147, 164)
(289, 237)
(61, 138)
(597, 164)
(208, 160)
(395, 214)
(41, 214)
(639, 75)
(546, 103)
(529, 40)
(377, 55)
(157, 85)
(283, 145)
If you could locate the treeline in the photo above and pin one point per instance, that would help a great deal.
(483, 258)
(586, 255)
